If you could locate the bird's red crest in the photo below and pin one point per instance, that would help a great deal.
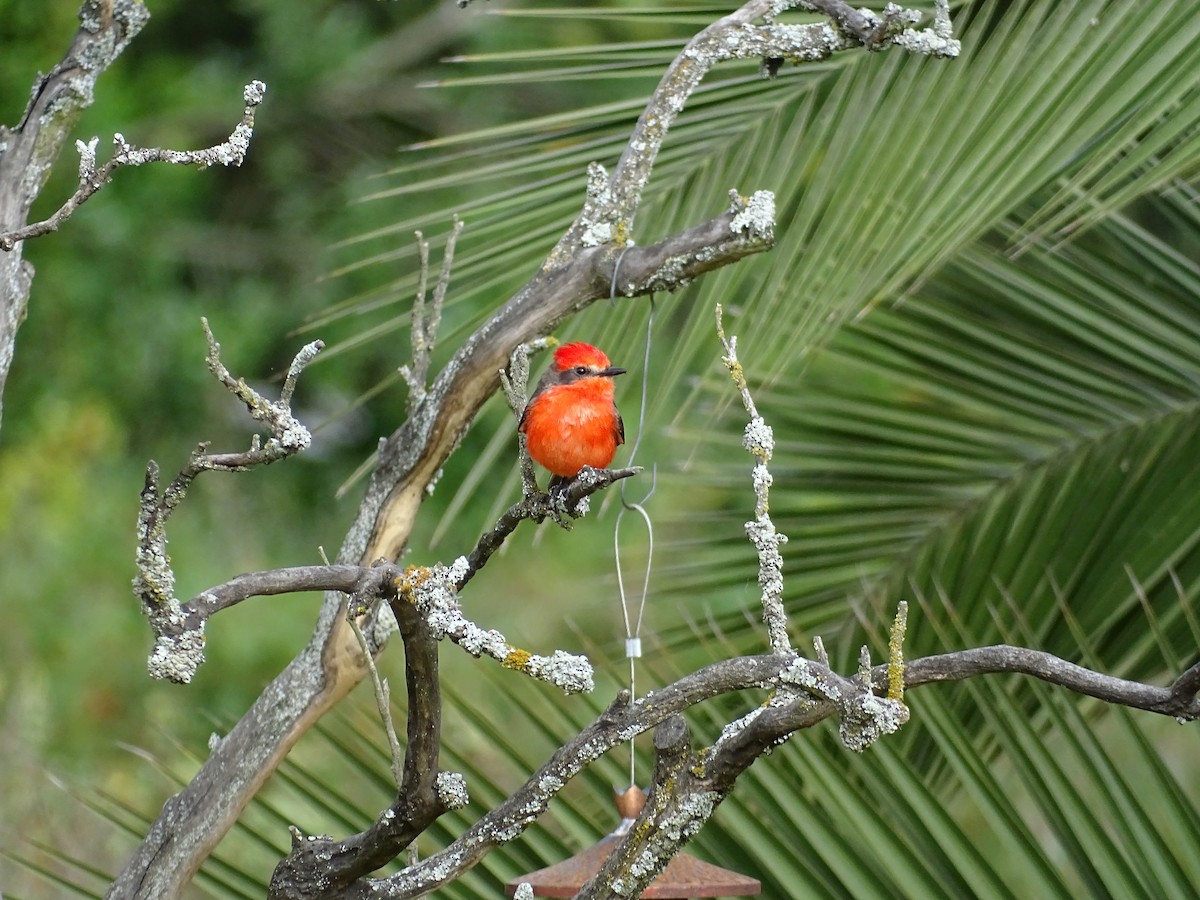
(568, 356)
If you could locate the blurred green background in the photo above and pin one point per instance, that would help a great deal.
(977, 342)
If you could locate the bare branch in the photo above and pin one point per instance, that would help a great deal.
(179, 632)
(425, 324)
(367, 581)
(231, 152)
(1179, 700)
(759, 441)
(537, 507)
(432, 590)
(383, 697)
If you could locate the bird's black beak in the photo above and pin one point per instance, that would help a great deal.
(610, 372)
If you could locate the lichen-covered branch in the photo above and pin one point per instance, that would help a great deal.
(179, 632)
(759, 442)
(29, 149)
(659, 830)
(750, 32)
(432, 591)
(230, 152)
(805, 692)
(895, 664)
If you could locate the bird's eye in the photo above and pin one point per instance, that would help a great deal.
(581, 370)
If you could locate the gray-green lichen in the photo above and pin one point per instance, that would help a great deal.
(452, 790)
(177, 657)
(755, 216)
(431, 590)
(673, 830)
(867, 718)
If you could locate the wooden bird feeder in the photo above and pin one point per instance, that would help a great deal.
(684, 877)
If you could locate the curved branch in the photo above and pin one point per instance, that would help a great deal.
(806, 692)
(319, 867)
(179, 641)
(231, 152)
(1179, 699)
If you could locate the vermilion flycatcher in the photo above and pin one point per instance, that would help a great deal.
(571, 420)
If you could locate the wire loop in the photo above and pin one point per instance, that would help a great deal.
(633, 624)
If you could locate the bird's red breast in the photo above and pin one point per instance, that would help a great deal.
(571, 420)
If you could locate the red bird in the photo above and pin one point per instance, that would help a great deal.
(571, 420)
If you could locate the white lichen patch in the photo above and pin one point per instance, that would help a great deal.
(598, 183)
(177, 657)
(868, 718)
(757, 217)
(573, 674)
(458, 570)
(928, 43)
(596, 233)
(759, 438)
(737, 726)
(801, 673)
(452, 790)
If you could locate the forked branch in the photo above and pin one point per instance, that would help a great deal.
(230, 152)
(179, 632)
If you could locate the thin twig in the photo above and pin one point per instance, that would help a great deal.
(427, 320)
(539, 506)
(179, 637)
(759, 441)
(231, 152)
(383, 699)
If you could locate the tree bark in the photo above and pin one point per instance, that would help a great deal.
(29, 149)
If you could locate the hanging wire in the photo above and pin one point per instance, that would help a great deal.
(633, 624)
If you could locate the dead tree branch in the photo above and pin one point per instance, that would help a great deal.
(28, 149)
(231, 152)
(577, 272)
(179, 635)
(816, 693)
